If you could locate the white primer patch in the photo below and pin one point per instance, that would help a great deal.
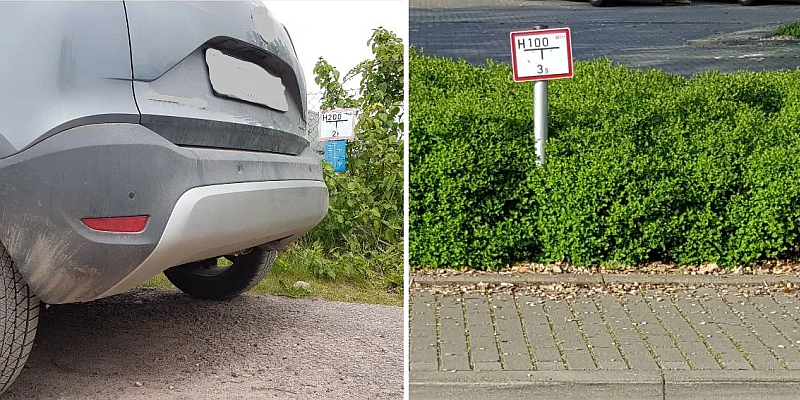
(245, 81)
(264, 24)
(195, 102)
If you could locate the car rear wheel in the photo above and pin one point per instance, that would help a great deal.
(20, 316)
(601, 3)
(747, 2)
(215, 280)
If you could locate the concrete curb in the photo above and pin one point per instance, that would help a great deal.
(511, 385)
(748, 36)
(580, 279)
(731, 384)
(596, 279)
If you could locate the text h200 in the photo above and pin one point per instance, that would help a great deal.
(332, 118)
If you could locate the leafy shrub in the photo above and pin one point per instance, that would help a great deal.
(642, 166)
(363, 231)
(792, 30)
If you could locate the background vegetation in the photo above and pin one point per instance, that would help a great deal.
(642, 166)
(792, 30)
(362, 235)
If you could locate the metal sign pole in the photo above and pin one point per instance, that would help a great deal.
(540, 119)
(540, 114)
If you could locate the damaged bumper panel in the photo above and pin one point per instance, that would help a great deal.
(222, 219)
(200, 203)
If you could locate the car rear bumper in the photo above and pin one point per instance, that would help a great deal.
(220, 219)
(200, 203)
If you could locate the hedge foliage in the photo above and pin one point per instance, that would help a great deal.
(642, 166)
(792, 30)
(362, 234)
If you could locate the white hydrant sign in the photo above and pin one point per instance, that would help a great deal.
(337, 124)
(542, 54)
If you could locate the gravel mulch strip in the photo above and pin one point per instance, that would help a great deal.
(778, 267)
(561, 291)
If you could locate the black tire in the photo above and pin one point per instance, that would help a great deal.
(206, 280)
(747, 2)
(601, 3)
(20, 316)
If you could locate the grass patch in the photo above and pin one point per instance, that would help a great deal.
(297, 264)
(792, 30)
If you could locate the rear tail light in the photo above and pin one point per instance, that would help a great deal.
(290, 39)
(134, 224)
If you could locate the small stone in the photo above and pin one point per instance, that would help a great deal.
(708, 268)
(171, 387)
(137, 384)
(302, 284)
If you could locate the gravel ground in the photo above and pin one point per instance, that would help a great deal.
(160, 344)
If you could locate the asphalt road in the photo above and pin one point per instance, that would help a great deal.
(159, 344)
(634, 34)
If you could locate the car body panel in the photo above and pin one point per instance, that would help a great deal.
(172, 84)
(63, 64)
(181, 106)
(104, 170)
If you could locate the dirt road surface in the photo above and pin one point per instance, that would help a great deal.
(160, 344)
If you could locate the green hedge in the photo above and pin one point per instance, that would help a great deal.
(642, 166)
(792, 30)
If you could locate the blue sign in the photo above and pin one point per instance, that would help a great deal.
(336, 154)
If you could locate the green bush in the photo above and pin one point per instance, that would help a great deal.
(362, 235)
(642, 166)
(792, 30)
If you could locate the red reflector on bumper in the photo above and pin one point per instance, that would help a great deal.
(133, 224)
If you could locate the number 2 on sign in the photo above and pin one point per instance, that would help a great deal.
(541, 69)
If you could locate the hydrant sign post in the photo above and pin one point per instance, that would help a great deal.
(540, 55)
(335, 128)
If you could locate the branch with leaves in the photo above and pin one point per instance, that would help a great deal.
(365, 218)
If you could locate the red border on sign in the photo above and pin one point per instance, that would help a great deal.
(534, 33)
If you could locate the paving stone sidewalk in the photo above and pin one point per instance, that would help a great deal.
(699, 335)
